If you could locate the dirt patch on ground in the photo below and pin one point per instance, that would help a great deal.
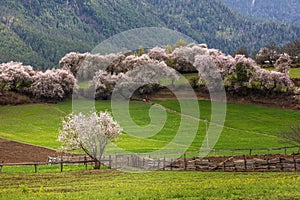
(15, 152)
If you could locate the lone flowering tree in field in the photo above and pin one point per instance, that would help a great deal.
(90, 133)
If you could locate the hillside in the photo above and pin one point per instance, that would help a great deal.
(40, 32)
(285, 11)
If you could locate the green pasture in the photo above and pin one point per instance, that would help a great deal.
(111, 184)
(246, 126)
(294, 72)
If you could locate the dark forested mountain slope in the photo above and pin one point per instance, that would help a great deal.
(285, 11)
(217, 25)
(39, 32)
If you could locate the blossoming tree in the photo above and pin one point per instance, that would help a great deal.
(53, 84)
(14, 76)
(90, 133)
(283, 63)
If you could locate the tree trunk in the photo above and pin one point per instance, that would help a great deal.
(97, 164)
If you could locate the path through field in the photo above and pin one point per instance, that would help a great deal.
(201, 120)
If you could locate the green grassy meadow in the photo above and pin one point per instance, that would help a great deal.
(246, 126)
(294, 72)
(111, 184)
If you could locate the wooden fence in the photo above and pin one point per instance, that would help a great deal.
(237, 164)
(187, 161)
(61, 162)
(253, 151)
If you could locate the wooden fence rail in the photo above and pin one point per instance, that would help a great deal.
(170, 161)
(60, 163)
(245, 163)
(283, 150)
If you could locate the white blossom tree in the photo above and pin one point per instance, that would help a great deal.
(158, 53)
(129, 63)
(283, 63)
(90, 133)
(183, 58)
(14, 76)
(266, 55)
(144, 79)
(103, 84)
(84, 66)
(72, 62)
(53, 84)
(209, 73)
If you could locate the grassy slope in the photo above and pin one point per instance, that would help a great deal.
(295, 72)
(246, 126)
(154, 185)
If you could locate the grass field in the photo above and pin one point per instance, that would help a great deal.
(246, 126)
(294, 72)
(155, 185)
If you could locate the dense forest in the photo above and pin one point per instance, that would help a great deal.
(285, 11)
(39, 33)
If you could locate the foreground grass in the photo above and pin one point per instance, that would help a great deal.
(110, 184)
(246, 126)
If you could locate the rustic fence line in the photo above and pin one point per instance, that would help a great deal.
(251, 151)
(187, 161)
(61, 163)
(237, 164)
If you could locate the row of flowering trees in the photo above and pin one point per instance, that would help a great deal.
(237, 72)
(143, 73)
(132, 73)
(105, 71)
(55, 84)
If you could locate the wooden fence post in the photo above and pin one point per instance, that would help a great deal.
(281, 165)
(35, 167)
(245, 162)
(285, 150)
(185, 162)
(224, 163)
(268, 163)
(85, 162)
(1, 168)
(171, 165)
(109, 162)
(295, 164)
(164, 163)
(61, 165)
